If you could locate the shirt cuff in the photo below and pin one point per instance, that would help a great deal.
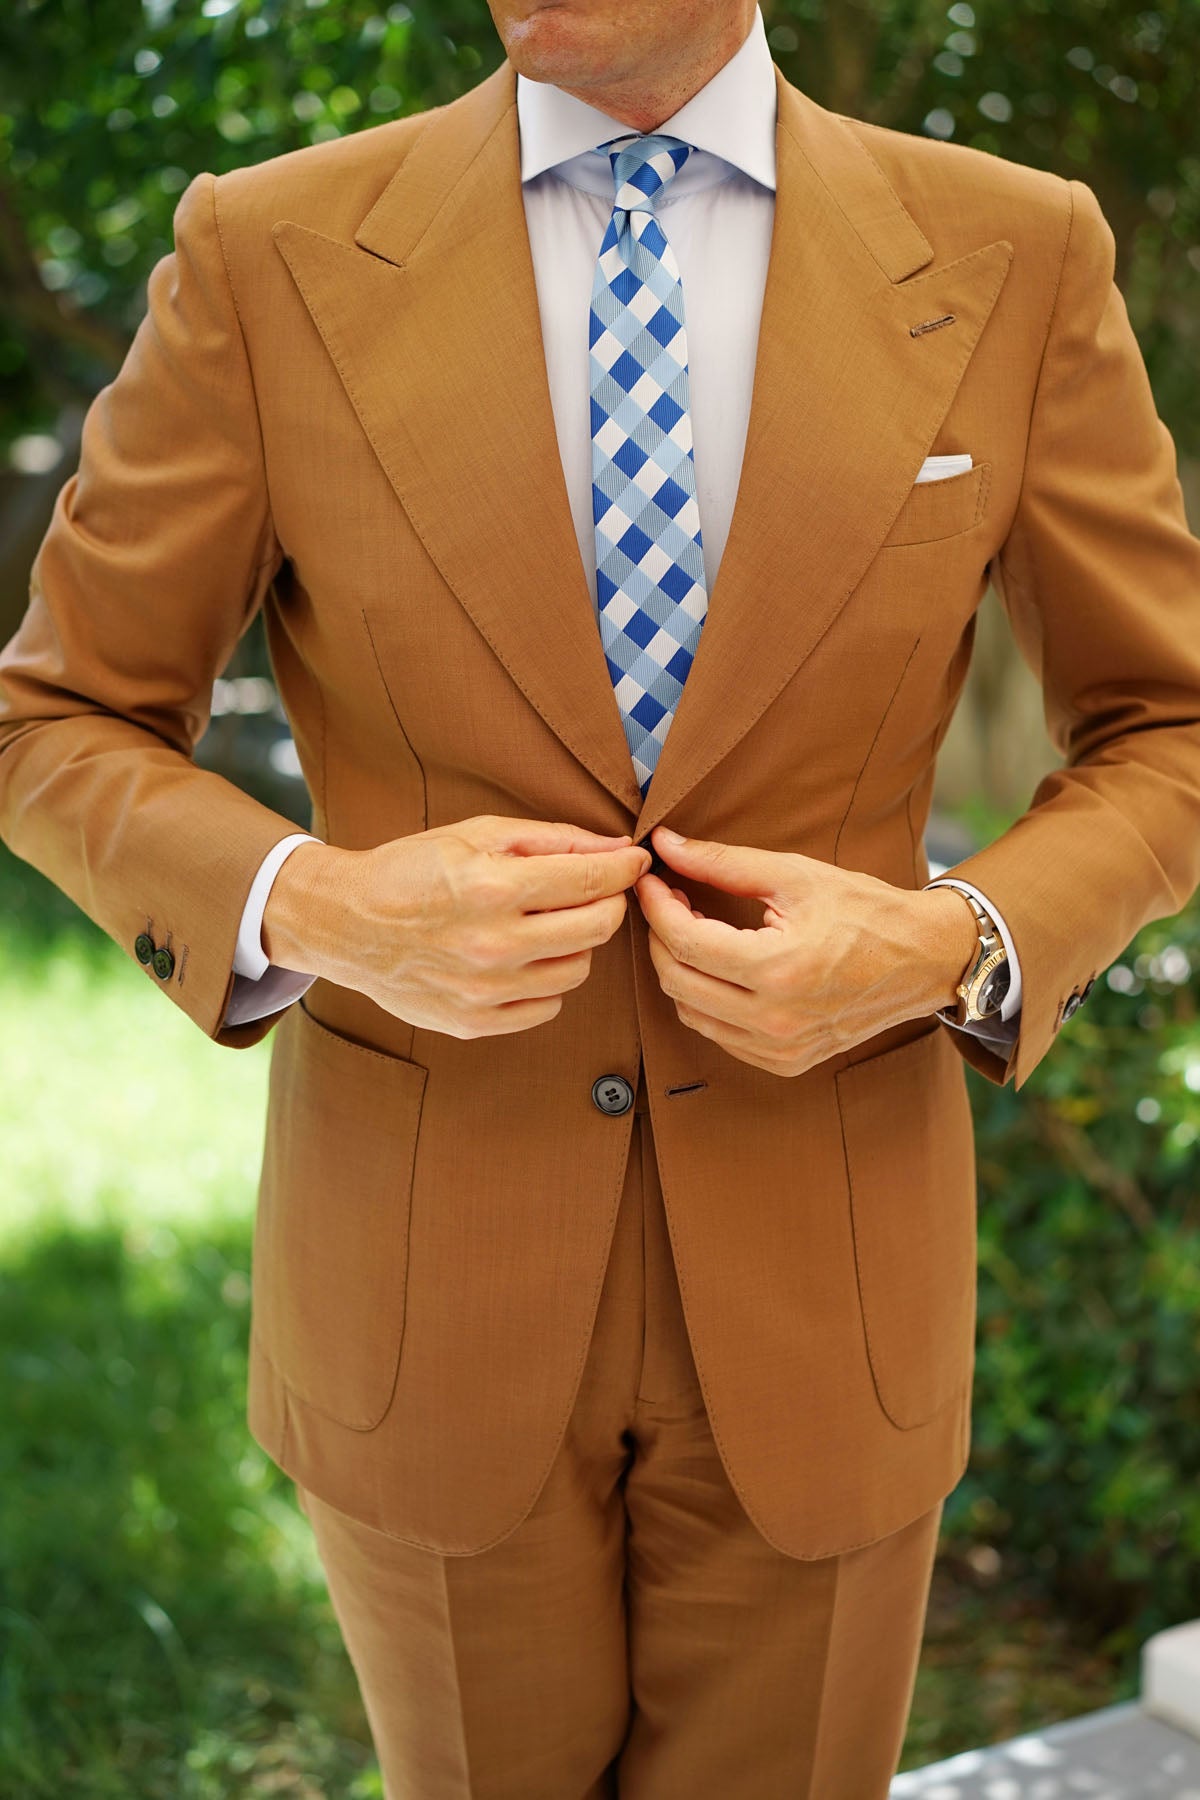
(271, 992)
(249, 958)
(998, 1037)
(1011, 1003)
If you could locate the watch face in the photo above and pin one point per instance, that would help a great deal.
(991, 994)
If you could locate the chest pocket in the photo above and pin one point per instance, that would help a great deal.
(941, 509)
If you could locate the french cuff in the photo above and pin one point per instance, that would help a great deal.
(993, 1032)
(249, 958)
(271, 992)
(1011, 1004)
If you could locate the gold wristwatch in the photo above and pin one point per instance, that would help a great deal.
(985, 983)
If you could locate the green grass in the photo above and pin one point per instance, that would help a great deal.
(164, 1630)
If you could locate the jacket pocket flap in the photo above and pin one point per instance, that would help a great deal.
(941, 509)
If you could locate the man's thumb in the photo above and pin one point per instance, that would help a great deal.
(734, 868)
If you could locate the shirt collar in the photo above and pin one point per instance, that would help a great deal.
(733, 117)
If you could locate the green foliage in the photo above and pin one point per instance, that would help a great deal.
(1086, 1455)
(164, 1628)
(1089, 88)
(91, 168)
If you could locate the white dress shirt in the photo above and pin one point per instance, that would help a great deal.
(718, 215)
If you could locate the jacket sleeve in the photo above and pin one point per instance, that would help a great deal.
(1100, 579)
(158, 554)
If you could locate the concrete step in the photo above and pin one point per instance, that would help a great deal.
(1118, 1753)
(1171, 1676)
(1144, 1749)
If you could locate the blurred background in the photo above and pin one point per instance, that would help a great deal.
(163, 1626)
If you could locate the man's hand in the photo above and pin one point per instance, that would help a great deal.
(476, 929)
(839, 957)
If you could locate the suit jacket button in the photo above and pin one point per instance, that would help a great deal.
(164, 964)
(143, 947)
(1087, 990)
(612, 1094)
(1072, 1005)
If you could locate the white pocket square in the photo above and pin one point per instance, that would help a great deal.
(937, 468)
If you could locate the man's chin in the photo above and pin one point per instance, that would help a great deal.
(558, 45)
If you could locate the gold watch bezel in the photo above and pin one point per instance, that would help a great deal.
(989, 955)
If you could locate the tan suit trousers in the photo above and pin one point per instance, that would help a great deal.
(635, 1635)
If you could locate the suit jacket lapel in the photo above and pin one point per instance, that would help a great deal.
(846, 403)
(431, 319)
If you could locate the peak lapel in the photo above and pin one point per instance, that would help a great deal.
(846, 402)
(431, 319)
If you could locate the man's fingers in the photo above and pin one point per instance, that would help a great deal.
(544, 837)
(544, 883)
(709, 944)
(681, 896)
(735, 868)
(710, 1005)
(565, 930)
(546, 863)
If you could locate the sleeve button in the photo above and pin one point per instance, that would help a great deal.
(143, 947)
(164, 964)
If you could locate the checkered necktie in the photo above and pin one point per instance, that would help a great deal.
(650, 591)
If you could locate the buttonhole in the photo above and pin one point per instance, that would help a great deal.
(688, 1087)
(931, 325)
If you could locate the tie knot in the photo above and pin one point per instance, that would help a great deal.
(642, 167)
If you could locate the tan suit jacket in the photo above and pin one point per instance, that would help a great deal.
(337, 408)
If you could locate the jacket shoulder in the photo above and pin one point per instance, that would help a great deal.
(327, 186)
(960, 196)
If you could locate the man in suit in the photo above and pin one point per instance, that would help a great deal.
(614, 1261)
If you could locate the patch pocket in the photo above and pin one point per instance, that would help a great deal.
(941, 509)
(910, 1163)
(330, 1265)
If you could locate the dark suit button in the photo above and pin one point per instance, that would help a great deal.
(164, 964)
(1072, 1006)
(143, 947)
(1087, 990)
(612, 1094)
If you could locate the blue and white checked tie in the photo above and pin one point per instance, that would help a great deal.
(650, 591)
